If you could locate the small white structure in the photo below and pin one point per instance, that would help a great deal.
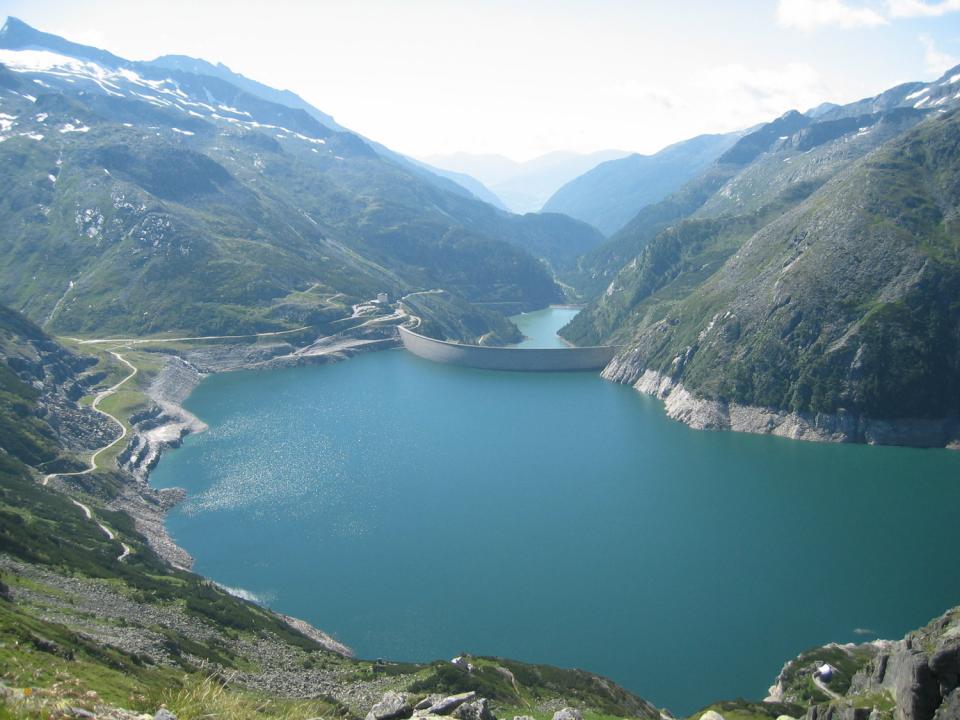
(383, 298)
(825, 672)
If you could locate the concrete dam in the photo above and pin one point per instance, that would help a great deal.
(501, 358)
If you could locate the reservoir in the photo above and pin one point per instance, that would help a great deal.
(417, 510)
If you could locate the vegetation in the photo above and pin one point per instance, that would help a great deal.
(448, 317)
(839, 294)
(144, 229)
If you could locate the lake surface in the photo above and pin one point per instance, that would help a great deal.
(540, 327)
(417, 510)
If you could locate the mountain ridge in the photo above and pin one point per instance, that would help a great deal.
(802, 284)
(191, 167)
(613, 192)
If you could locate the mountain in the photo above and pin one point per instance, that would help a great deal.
(524, 187)
(145, 199)
(804, 284)
(471, 184)
(459, 182)
(196, 66)
(610, 194)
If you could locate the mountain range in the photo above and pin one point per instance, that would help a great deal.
(610, 194)
(151, 196)
(523, 187)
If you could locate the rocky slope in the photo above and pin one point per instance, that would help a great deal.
(916, 678)
(805, 285)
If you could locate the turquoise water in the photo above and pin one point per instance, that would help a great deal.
(418, 510)
(540, 327)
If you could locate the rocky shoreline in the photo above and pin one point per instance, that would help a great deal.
(706, 414)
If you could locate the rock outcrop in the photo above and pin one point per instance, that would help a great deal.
(921, 672)
(917, 678)
(392, 706)
(707, 414)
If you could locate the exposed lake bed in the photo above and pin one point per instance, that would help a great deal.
(417, 510)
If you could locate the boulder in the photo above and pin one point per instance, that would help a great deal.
(428, 702)
(450, 703)
(476, 710)
(164, 714)
(76, 712)
(392, 706)
(950, 708)
(711, 715)
(568, 714)
(945, 662)
(916, 688)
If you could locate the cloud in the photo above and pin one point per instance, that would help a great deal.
(811, 14)
(919, 8)
(740, 96)
(936, 61)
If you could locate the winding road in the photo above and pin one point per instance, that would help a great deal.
(104, 394)
(94, 405)
(93, 457)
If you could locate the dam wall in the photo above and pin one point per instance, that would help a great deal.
(500, 358)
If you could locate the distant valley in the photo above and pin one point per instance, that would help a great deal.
(523, 187)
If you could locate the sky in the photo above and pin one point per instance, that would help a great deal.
(521, 79)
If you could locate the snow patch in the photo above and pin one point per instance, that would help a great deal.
(182, 132)
(71, 128)
(41, 117)
(235, 111)
(918, 93)
(318, 141)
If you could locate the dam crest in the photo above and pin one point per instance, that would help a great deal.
(507, 358)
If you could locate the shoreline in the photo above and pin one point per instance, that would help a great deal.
(704, 414)
(165, 425)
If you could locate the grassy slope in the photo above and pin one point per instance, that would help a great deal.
(227, 231)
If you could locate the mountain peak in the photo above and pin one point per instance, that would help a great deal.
(949, 75)
(18, 35)
(13, 26)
